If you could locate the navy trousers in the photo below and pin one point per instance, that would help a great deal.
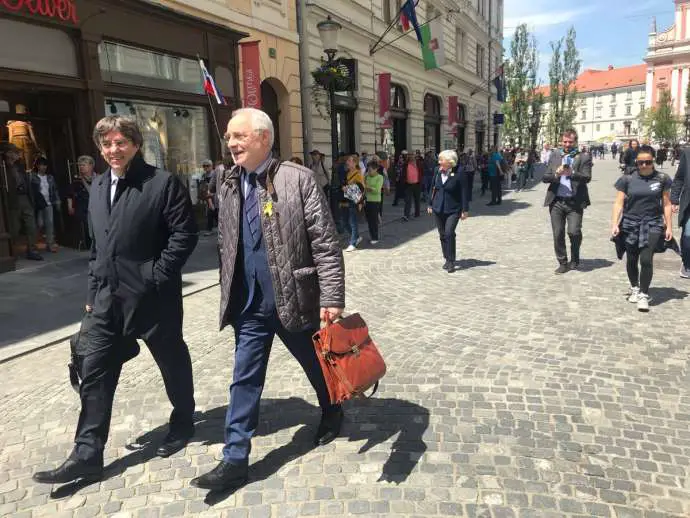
(253, 338)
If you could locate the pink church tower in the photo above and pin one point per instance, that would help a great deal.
(668, 60)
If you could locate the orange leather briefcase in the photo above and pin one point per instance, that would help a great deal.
(349, 358)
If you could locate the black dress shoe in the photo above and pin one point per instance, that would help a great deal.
(329, 427)
(173, 443)
(69, 471)
(446, 265)
(451, 268)
(573, 265)
(562, 268)
(224, 476)
(34, 256)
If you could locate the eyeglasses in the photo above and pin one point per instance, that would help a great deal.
(645, 162)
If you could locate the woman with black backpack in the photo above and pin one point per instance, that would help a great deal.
(641, 219)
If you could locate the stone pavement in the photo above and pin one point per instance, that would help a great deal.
(511, 392)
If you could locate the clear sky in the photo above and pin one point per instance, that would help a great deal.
(609, 32)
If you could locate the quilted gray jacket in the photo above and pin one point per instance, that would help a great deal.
(304, 255)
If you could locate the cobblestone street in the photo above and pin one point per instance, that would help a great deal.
(511, 392)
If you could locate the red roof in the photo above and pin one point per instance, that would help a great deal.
(592, 80)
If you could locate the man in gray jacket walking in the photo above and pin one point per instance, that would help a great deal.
(281, 272)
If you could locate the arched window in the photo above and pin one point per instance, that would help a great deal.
(398, 99)
(432, 123)
(397, 135)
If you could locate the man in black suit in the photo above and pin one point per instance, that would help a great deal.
(143, 232)
(680, 199)
(567, 197)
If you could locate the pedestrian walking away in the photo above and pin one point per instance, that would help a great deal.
(496, 166)
(412, 174)
(143, 232)
(642, 221)
(281, 271)
(374, 185)
(680, 200)
(449, 204)
(567, 197)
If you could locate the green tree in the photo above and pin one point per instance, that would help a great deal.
(563, 71)
(521, 72)
(659, 121)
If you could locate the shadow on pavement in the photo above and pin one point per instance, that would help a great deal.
(506, 207)
(660, 295)
(589, 265)
(372, 420)
(466, 264)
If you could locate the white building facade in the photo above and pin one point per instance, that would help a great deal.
(609, 104)
(473, 37)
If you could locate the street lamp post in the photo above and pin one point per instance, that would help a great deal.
(329, 31)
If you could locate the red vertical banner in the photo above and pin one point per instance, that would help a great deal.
(251, 74)
(453, 113)
(384, 120)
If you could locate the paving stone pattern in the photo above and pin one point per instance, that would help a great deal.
(511, 393)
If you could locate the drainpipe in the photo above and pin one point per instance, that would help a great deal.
(304, 76)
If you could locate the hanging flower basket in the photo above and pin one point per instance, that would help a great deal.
(336, 76)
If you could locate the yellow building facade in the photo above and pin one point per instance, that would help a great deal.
(273, 23)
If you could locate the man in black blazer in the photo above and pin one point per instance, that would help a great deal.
(680, 199)
(567, 197)
(143, 231)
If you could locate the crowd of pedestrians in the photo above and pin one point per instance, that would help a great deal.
(281, 261)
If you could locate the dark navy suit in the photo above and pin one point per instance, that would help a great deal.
(448, 201)
(255, 320)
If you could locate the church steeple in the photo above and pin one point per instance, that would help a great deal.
(652, 26)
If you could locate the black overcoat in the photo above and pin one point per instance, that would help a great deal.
(139, 248)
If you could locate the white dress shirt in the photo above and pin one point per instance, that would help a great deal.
(113, 186)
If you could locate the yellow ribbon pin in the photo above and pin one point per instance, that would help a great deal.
(268, 208)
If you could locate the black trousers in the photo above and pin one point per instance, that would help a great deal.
(446, 225)
(372, 210)
(211, 218)
(496, 189)
(566, 212)
(413, 191)
(485, 181)
(101, 369)
(642, 276)
(400, 189)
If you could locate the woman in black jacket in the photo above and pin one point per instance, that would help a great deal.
(630, 156)
(449, 203)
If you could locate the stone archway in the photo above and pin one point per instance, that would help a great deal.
(275, 101)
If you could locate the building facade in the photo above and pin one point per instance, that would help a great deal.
(273, 24)
(473, 35)
(668, 60)
(609, 104)
(66, 64)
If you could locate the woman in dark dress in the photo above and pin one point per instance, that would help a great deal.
(449, 203)
(642, 213)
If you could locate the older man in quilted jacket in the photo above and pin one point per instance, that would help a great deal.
(281, 271)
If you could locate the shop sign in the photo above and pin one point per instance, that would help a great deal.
(251, 74)
(64, 10)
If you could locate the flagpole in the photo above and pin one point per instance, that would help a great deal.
(213, 111)
(451, 11)
(373, 48)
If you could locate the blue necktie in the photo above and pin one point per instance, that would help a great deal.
(251, 209)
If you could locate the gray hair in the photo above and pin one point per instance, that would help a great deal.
(450, 156)
(86, 159)
(259, 120)
(206, 162)
(126, 125)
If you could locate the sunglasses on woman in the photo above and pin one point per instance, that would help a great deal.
(645, 162)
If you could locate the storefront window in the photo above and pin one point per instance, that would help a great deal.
(432, 123)
(138, 67)
(176, 137)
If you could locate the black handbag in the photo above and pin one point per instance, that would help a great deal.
(129, 349)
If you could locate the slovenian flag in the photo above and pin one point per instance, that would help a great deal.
(407, 16)
(210, 85)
